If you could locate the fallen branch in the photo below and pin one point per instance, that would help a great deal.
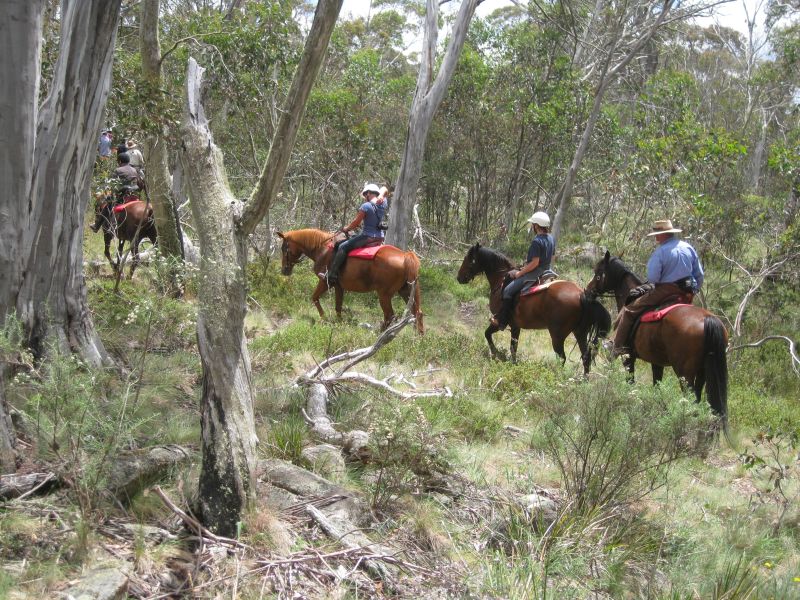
(792, 349)
(372, 566)
(194, 524)
(18, 487)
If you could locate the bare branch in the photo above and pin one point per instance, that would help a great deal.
(789, 341)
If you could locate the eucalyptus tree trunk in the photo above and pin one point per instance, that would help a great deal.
(625, 37)
(427, 98)
(157, 174)
(51, 154)
(223, 223)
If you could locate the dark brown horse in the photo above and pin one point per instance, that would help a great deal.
(391, 272)
(689, 339)
(562, 308)
(132, 224)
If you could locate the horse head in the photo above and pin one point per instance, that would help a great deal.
(291, 253)
(469, 267)
(102, 212)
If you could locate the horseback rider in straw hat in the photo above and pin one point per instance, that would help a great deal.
(673, 270)
(537, 262)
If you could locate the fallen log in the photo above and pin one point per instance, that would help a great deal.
(21, 486)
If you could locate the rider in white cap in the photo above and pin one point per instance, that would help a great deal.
(537, 262)
(370, 214)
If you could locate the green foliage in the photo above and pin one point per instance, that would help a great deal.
(287, 437)
(404, 452)
(614, 445)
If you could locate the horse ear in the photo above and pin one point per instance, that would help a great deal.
(607, 256)
(279, 234)
(477, 245)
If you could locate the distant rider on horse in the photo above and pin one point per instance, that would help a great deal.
(369, 217)
(537, 262)
(674, 270)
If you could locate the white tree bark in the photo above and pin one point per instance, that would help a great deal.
(51, 301)
(227, 480)
(427, 98)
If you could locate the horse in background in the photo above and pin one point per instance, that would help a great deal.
(562, 308)
(688, 338)
(392, 271)
(130, 222)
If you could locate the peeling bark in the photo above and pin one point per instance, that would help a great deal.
(49, 157)
(227, 478)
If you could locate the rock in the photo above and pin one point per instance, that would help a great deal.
(356, 445)
(101, 583)
(133, 471)
(325, 460)
(539, 507)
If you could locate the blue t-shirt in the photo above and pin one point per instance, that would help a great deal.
(104, 146)
(373, 215)
(542, 247)
(673, 261)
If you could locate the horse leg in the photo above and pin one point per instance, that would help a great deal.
(629, 362)
(658, 374)
(490, 331)
(118, 264)
(107, 237)
(339, 293)
(134, 256)
(586, 353)
(321, 288)
(514, 342)
(388, 311)
(558, 346)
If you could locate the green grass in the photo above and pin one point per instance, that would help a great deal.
(700, 535)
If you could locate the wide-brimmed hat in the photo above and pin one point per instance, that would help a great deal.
(664, 226)
(131, 143)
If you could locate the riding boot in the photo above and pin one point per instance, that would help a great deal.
(624, 324)
(503, 316)
(336, 264)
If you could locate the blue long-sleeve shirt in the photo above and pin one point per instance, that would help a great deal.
(675, 260)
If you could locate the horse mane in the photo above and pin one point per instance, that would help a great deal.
(617, 270)
(493, 261)
(310, 238)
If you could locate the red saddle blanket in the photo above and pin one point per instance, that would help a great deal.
(657, 315)
(367, 252)
(121, 207)
(539, 288)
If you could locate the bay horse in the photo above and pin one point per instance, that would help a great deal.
(392, 271)
(562, 308)
(130, 222)
(688, 338)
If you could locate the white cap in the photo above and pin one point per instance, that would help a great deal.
(370, 187)
(540, 218)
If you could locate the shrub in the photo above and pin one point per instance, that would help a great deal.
(404, 451)
(613, 444)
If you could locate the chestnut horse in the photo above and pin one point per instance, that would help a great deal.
(391, 272)
(131, 224)
(689, 339)
(562, 308)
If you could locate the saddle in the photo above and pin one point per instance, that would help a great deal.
(127, 202)
(657, 314)
(545, 280)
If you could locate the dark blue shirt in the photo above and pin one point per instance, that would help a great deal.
(542, 247)
(373, 215)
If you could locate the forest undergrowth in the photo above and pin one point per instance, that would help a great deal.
(528, 482)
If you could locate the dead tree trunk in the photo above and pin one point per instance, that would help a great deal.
(227, 479)
(52, 187)
(620, 43)
(427, 98)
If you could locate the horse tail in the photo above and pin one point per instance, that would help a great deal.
(412, 277)
(595, 321)
(715, 366)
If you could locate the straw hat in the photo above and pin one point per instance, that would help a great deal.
(664, 226)
(131, 143)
